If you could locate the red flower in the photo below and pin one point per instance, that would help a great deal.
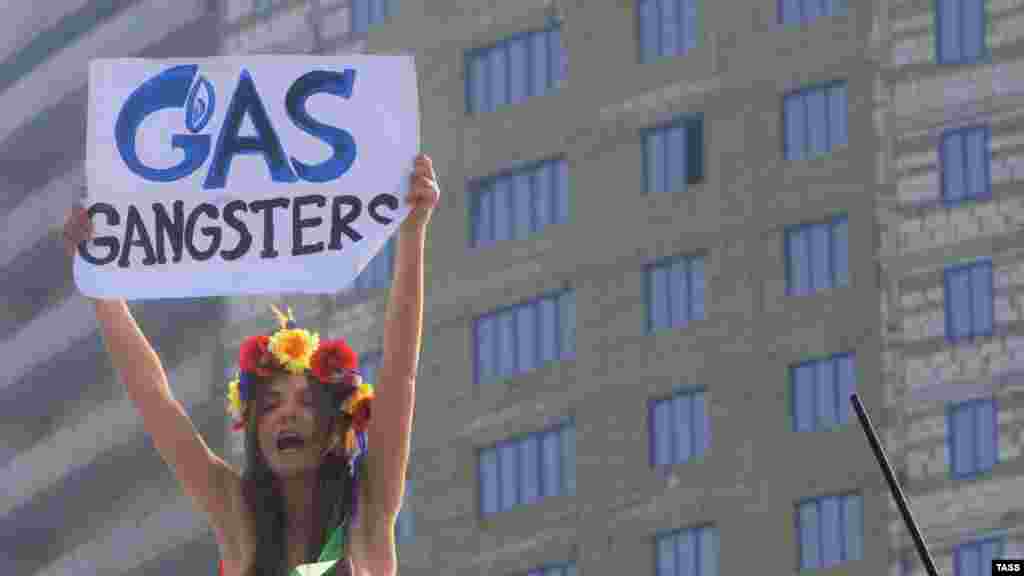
(331, 357)
(255, 357)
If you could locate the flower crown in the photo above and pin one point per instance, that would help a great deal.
(297, 351)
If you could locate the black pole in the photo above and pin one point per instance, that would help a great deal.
(894, 486)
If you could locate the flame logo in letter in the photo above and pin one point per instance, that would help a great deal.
(200, 105)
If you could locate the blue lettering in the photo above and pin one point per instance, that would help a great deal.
(340, 141)
(169, 89)
(229, 143)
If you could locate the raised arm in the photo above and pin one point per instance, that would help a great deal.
(391, 424)
(204, 476)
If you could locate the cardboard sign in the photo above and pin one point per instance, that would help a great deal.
(244, 175)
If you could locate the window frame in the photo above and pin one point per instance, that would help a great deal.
(554, 66)
(976, 471)
(840, 402)
(801, 93)
(699, 450)
(559, 430)
(947, 275)
(961, 133)
(985, 54)
(844, 528)
(831, 223)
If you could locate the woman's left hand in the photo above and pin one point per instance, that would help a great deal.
(424, 192)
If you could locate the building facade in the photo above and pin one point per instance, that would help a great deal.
(84, 492)
(949, 107)
(719, 196)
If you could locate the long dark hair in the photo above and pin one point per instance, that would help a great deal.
(262, 493)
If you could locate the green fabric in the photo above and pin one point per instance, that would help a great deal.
(333, 551)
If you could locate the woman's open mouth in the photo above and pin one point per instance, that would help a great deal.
(290, 442)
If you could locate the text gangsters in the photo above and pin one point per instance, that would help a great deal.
(182, 233)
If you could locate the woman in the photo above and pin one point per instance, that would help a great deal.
(311, 491)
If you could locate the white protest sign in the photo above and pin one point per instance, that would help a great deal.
(244, 175)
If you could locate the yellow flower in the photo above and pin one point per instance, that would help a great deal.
(234, 399)
(293, 348)
(364, 392)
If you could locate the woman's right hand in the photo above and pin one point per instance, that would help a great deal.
(77, 229)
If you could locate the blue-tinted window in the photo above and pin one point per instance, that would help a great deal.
(815, 121)
(675, 292)
(966, 164)
(820, 392)
(521, 338)
(377, 273)
(520, 203)
(674, 155)
(261, 5)
(968, 295)
(514, 69)
(803, 12)
(687, 552)
(973, 437)
(960, 31)
(369, 364)
(524, 470)
(366, 13)
(666, 27)
(974, 558)
(559, 570)
(831, 530)
(680, 428)
(817, 256)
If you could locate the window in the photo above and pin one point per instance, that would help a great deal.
(966, 164)
(821, 392)
(369, 364)
(377, 273)
(524, 337)
(815, 121)
(960, 30)
(514, 69)
(259, 6)
(562, 570)
(973, 437)
(968, 295)
(525, 470)
(673, 155)
(817, 257)
(803, 12)
(675, 292)
(679, 428)
(366, 13)
(666, 28)
(831, 530)
(519, 203)
(687, 552)
(975, 558)
(404, 523)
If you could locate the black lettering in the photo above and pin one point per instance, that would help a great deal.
(340, 224)
(267, 207)
(389, 200)
(110, 242)
(298, 223)
(245, 240)
(134, 227)
(173, 229)
(212, 232)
